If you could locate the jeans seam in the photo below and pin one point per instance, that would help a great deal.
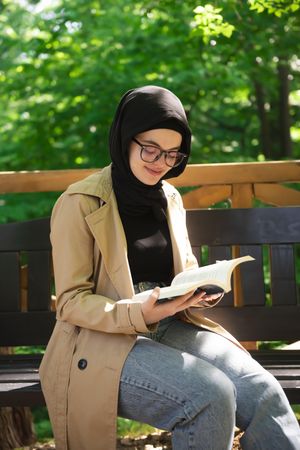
(149, 388)
(190, 409)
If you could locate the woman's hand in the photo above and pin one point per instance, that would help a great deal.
(154, 311)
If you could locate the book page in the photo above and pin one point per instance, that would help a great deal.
(218, 274)
(167, 291)
(220, 271)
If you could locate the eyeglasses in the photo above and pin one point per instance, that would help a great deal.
(150, 154)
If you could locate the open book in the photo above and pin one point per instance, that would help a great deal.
(213, 279)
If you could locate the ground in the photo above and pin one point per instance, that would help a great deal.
(155, 441)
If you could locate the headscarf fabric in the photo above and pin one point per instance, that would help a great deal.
(143, 109)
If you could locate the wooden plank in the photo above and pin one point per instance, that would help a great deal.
(228, 173)
(282, 357)
(41, 181)
(10, 281)
(251, 226)
(258, 322)
(26, 328)
(12, 376)
(28, 235)
(194, 175)
(206, 196)
(242, 195)
(20, 360)
(39, 277)
(217, 253)
(275, 194)
(283, 276)
(23, 395)
(252, 277)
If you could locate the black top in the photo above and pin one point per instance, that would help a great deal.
(149, 247)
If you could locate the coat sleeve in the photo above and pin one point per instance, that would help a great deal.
(73, 261)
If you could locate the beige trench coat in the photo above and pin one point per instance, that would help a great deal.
(94, 333)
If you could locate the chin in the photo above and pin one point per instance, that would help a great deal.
(150, 182)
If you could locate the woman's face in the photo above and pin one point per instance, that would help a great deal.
(164, 139)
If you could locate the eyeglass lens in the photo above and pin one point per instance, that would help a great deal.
(152, 154)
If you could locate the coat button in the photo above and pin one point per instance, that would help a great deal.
(82, 363)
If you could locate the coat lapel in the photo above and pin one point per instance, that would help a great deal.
(107, 229)
(176, 221)
(106, 226)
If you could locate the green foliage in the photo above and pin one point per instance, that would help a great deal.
(276, 7)
(29, 350)
(65, 64)
(42, 423)
(25, 206)
(271, 345)
(296, 409)
(209, 23)
(127, 427)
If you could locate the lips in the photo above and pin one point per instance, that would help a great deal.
(153, 172)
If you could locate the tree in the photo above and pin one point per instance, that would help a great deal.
(65, 68)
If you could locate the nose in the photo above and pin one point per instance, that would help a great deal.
(161, 161)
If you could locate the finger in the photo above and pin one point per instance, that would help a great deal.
(193, 299)
(213, 297)
(199, 294)
(181, 299)
(153, 297)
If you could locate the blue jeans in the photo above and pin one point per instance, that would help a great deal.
(199, 386)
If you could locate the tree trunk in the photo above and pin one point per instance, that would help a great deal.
(16, 429)
(265, 141)
(284, 110)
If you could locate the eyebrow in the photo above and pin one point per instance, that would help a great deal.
(155, 144)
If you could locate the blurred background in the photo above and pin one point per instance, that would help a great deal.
(64, 65)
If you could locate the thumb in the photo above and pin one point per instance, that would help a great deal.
(154, 295)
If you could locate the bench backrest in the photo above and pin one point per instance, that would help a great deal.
(269, 287)
(270, 310)
(25, 283)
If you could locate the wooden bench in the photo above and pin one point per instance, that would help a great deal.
(270, 309)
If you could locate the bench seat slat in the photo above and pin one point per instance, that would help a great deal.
(19, 377)
(286, 374)
(26, 394)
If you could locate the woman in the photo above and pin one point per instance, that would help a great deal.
(121, 231)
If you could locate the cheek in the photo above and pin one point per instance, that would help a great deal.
(134, 161)
(131, 159)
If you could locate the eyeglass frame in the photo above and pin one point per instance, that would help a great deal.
(162, 152)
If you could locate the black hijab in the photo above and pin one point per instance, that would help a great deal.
(143, 109)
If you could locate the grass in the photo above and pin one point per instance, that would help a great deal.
(42, 423)
(127, 427)
(296, 409)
